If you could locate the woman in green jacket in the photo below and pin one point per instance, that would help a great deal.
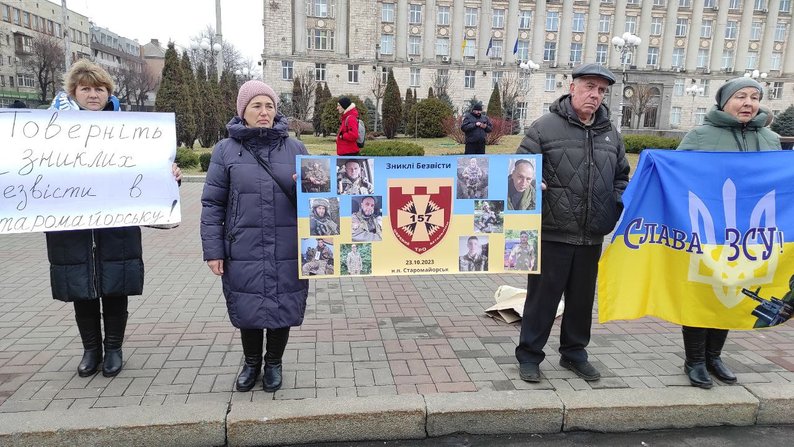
(737, 123)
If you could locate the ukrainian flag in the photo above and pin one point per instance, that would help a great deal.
(703, 241)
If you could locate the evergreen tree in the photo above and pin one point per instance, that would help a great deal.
(372, 112)
(784, 122)
(430, 92)
(319, 102)
(208, 105)
(327, 96)
(392, 107)
(169, 95)
(409, 101)
(495, 104)
(187, 106)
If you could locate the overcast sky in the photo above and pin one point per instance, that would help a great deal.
(177, 20)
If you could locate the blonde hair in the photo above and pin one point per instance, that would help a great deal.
(85, 72)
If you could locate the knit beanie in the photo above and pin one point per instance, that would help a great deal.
(344, 102)
(250, 90)
(732, 86)
(477, 106)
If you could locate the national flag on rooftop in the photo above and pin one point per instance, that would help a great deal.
(490, 45)
(515, 47)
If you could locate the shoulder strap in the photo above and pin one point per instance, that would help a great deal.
(288, 192)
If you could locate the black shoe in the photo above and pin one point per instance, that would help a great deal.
(698, 375)
(720, 371)
(584, 369)
(113, 362)
(247, 378)
(271, 381)
(115, 326)
(529, 372)
(89, 365)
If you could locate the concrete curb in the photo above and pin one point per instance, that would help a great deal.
(281, 422)
(623, 410)
(326, 420)
(193, 178)
(167, 425)
(494, 412)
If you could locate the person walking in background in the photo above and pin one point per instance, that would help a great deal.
(18, 104)
(476, 125)
(584, 175)
(248, 231)
(348, 128)
(737, 123)
(96, 269)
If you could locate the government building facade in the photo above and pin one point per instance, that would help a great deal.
(675, 54)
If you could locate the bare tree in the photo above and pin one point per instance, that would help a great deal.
(46, 63)
(142, 84)
(232, 59)
(378, 89)
(643, 98)
(303, 94)
(510, 89)
(440, 84)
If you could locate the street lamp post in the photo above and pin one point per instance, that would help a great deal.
(694, 90)
(245, 73)
(755, 74)
(213, 50)
(529, 67)
(625, 45)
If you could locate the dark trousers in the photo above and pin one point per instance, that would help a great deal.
(475, 148)
(702, 344)
(569, 269)
(111, 305)
(275, 341)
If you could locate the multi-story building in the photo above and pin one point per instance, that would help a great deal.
(113, 52)
(687, 49)
(22, 22)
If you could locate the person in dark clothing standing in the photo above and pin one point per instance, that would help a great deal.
(584, 175)
(248, 231)
(475, 125)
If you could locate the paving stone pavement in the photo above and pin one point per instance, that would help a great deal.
(379, 336)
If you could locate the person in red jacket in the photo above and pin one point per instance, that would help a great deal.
(348, 129)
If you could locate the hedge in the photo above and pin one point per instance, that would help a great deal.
(391, 148)
(204, 161)
(636, 143)
(186, 158)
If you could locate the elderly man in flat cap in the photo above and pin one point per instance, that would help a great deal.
(584, 175)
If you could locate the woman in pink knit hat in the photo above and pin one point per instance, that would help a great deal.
(249, 231)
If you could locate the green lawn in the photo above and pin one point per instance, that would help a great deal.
(432, 146)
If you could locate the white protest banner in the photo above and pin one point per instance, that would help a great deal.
(67, 170)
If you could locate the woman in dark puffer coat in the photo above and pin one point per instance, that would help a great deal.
(249, 231)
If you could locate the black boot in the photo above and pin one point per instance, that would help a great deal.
(90, 329)
(252, 352)
(276, 343)
(115, 325)
(695, 365)
(715, 340)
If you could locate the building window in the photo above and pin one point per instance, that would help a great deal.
(658, 2)
(16, 22)
(653, 56)
(470, 18)
(709, 3)
(706, 28)
(352, 73)
(727, 60)
(387, 44)
(731, 29)
(632, 2)
(415, 14)
(319, 8)
(496, 78)
(470, 50)
(414, 45)
(443, 15)
(774, 63)
(321, 39)
(442, 46)
(550, 51)
(785, 6)
(26, 19)
(678, 87)
(552, 21)
(760, 5)
(550, 82)
(675, 116)
(468, 78)
(523, 80)
(286, 70)
(319, 72)
(703, 58)
(685, 3)
(752, 60)
(10, 80)
(578, 22)
(524, 19)
(387, 13)
(6, 13)
(603, 23)
(755, 31)
(498, 18)
(734, 4)
(523, 50)
(415, 77)
(780, 32)
(681, 26)
(630, 25)
(521, 111)
(25, 80)
(656, 26)
(704, 84)
(776, 91)
(497, 47)
(576, 53)
(602, 52)
(700, 113)
(678, 57)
